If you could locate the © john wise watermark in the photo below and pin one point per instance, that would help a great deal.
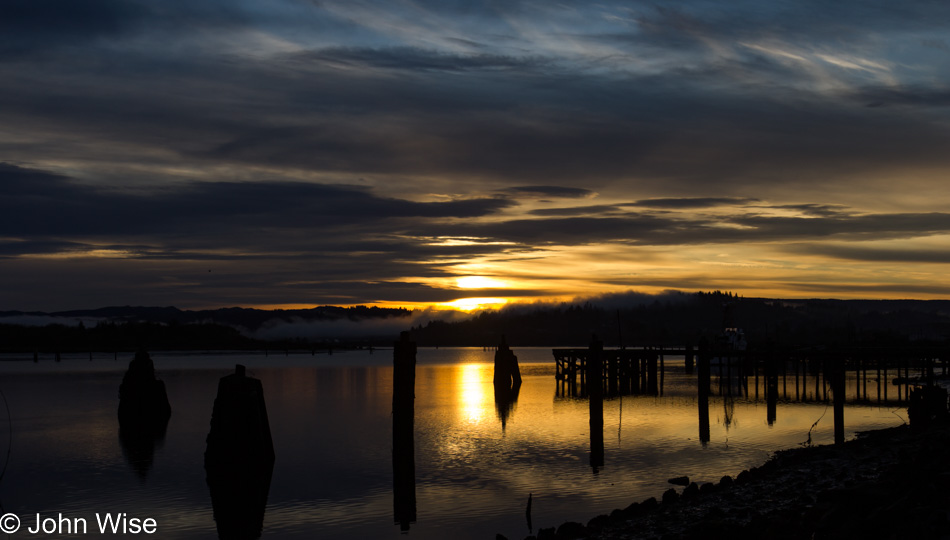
(107, 523)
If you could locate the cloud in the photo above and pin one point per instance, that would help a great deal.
(412, 59)
(552, 192)
(321, 151)
(351, 329)
(692, 202)
(576, 210)
(29, 197)
(667, 229)
(28, 24)
(871, 254)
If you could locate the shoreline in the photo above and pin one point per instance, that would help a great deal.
(888, 483)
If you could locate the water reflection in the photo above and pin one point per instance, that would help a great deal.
(404, 458)
(505, 401)
(332, 426)
(139, 444)
(473, 398)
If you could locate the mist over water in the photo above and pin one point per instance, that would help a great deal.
(331, 421)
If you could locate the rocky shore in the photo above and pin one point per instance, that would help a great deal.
(892, 483)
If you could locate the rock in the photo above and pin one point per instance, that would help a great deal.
(706, 489)
(743, 477)
(725, 481)
(670, 496)
(571, 530)
(547, 534)
(691, 491)
(632, 510)
(500, 536)
(598, 522)
(679, 481)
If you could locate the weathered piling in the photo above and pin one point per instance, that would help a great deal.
(507, 382)
(596, 398)
(240, 430)
(652, 379)
(838, 397)
(404, 467)
(703, 390)
(771, 388)
(143, 401)
(239, 459)
(507, 372)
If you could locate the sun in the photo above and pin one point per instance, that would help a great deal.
(474, 304)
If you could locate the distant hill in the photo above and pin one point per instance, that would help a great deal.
(170, 328)
(628, 319)
(683, 318)
(247, 318)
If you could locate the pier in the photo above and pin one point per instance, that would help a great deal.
(875, 374)
(637, 370)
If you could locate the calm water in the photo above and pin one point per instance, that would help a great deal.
(331, 422)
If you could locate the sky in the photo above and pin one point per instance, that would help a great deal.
(292, 153)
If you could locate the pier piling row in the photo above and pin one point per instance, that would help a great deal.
(802, 374)
(622, 371)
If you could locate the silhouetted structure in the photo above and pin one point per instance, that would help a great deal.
(404, 466)
(771, 388)
(239, 460)
(838, 397)
(596, 397)
(507, 381)
(703, 391)
(143, 413)
(623, 371)
(507, 373)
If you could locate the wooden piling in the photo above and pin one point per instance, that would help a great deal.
(404, 468)
(703, 392)
(239, 459)
(838, 389)
(596, 399)
(771, 388)
(652, 386)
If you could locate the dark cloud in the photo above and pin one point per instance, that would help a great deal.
(413, 59)
(667, 229)
(821, 210)
(871, 254)
(576, 210)
(552, 191)
(44, 204)
(917, 96)
(25, 24)
(692, 202)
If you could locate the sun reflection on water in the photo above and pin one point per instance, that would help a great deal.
(474, 401)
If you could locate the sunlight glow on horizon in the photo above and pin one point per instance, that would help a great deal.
(479, 282)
